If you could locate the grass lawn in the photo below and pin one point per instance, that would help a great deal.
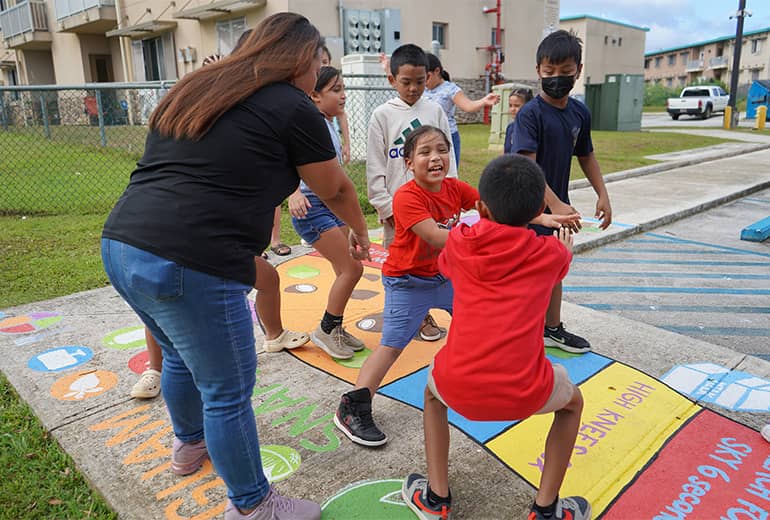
(54, 197)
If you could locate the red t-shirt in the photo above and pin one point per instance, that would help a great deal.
(409, 254)
(493, 366)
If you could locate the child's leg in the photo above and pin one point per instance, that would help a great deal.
(553, 313)
(375, 367)
(558, 448)
(268, 302)
(333, 245)
(436, 443)
(153, 351)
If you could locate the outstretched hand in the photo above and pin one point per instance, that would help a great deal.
(565, 236)
(570, 221)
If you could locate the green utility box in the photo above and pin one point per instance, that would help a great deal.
(499, 116)
(616, 104)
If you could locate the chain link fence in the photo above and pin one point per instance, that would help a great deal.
(70, 150)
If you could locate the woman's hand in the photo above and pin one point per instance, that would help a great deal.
(359, 245)
(298, 205)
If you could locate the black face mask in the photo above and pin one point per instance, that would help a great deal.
(557, 86)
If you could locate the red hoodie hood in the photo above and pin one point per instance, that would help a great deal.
(488, 251)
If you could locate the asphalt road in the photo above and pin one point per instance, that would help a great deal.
(658, 119)
(694, 277)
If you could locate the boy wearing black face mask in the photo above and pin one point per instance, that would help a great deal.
(551, 129)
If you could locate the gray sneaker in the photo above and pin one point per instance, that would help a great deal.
(277, 507)
(351, 341)
(333, 343)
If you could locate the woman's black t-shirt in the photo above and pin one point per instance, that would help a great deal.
(208, 204)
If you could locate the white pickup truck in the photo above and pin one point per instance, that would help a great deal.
(699, 101)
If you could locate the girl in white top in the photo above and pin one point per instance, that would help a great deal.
(447, 94)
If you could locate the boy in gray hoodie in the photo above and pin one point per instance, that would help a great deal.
(389, 126)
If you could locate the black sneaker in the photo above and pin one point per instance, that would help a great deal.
(558, 337)
(354, 418)
(567, 508)
(415, 494)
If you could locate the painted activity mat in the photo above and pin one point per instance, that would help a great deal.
(644, 450)
(636, 430)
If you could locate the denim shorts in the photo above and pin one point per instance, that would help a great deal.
(319, 219)
(408, 299)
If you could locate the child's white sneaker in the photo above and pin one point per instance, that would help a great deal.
(766, 432)
(148, 385)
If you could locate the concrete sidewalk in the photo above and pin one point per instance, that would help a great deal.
(73, 362)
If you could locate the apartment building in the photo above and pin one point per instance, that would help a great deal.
(710, 61)
(70, 42)
(609, 47)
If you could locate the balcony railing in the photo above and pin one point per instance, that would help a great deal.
(29, 16)
(694, 65)
(718, 62)
(65, 8)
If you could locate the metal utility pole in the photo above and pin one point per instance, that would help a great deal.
(736, 70)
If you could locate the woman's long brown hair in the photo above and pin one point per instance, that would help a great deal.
(280, 48)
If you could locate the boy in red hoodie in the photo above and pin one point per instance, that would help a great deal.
(496, 370)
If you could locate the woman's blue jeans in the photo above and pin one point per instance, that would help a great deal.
(203, 325)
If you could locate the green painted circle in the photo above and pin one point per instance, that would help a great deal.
(368, 500)
(357, 361)
(279, 462)
(560, 354)
(303, 272)
(125, 338)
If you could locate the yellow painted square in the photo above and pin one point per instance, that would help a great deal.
(607, 456)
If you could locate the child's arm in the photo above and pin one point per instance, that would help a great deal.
(429, 231)
(345, 128)
(376, 168)
(593, 173)
(557, 221)
(554, 203)
(467, 105)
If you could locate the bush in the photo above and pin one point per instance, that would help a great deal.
(656, 95)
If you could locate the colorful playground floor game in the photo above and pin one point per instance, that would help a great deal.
(628, 456)
(644, 449)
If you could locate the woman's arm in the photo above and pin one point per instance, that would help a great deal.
(327, 179)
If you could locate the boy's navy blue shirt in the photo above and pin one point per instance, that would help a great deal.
(555, 135)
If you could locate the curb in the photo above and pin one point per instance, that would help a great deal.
(667, 165)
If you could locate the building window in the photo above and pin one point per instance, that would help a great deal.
(228, 33)
(440, 31)
(493, 39)
(685, 57)
(620, 41)
(606, 40)
(672, 59)
(754, 74)
(658, 59)
(682, 80)
(756, 46)
(154, 58)
(669, 82)
(647, 63)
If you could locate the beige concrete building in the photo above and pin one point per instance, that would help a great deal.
(70, 42)
(608, 48)
(710, 61)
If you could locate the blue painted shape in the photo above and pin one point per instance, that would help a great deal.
(410, 390)
(715, 246)
(597, 221)
(742, 309)
(718, 331)
(60, 358)
(757, 232)
(659, 251)
(666, 290)
(711, 383)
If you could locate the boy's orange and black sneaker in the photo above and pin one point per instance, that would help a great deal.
(568, 508)
(415, 494)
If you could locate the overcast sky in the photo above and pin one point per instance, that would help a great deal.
(674, 22)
